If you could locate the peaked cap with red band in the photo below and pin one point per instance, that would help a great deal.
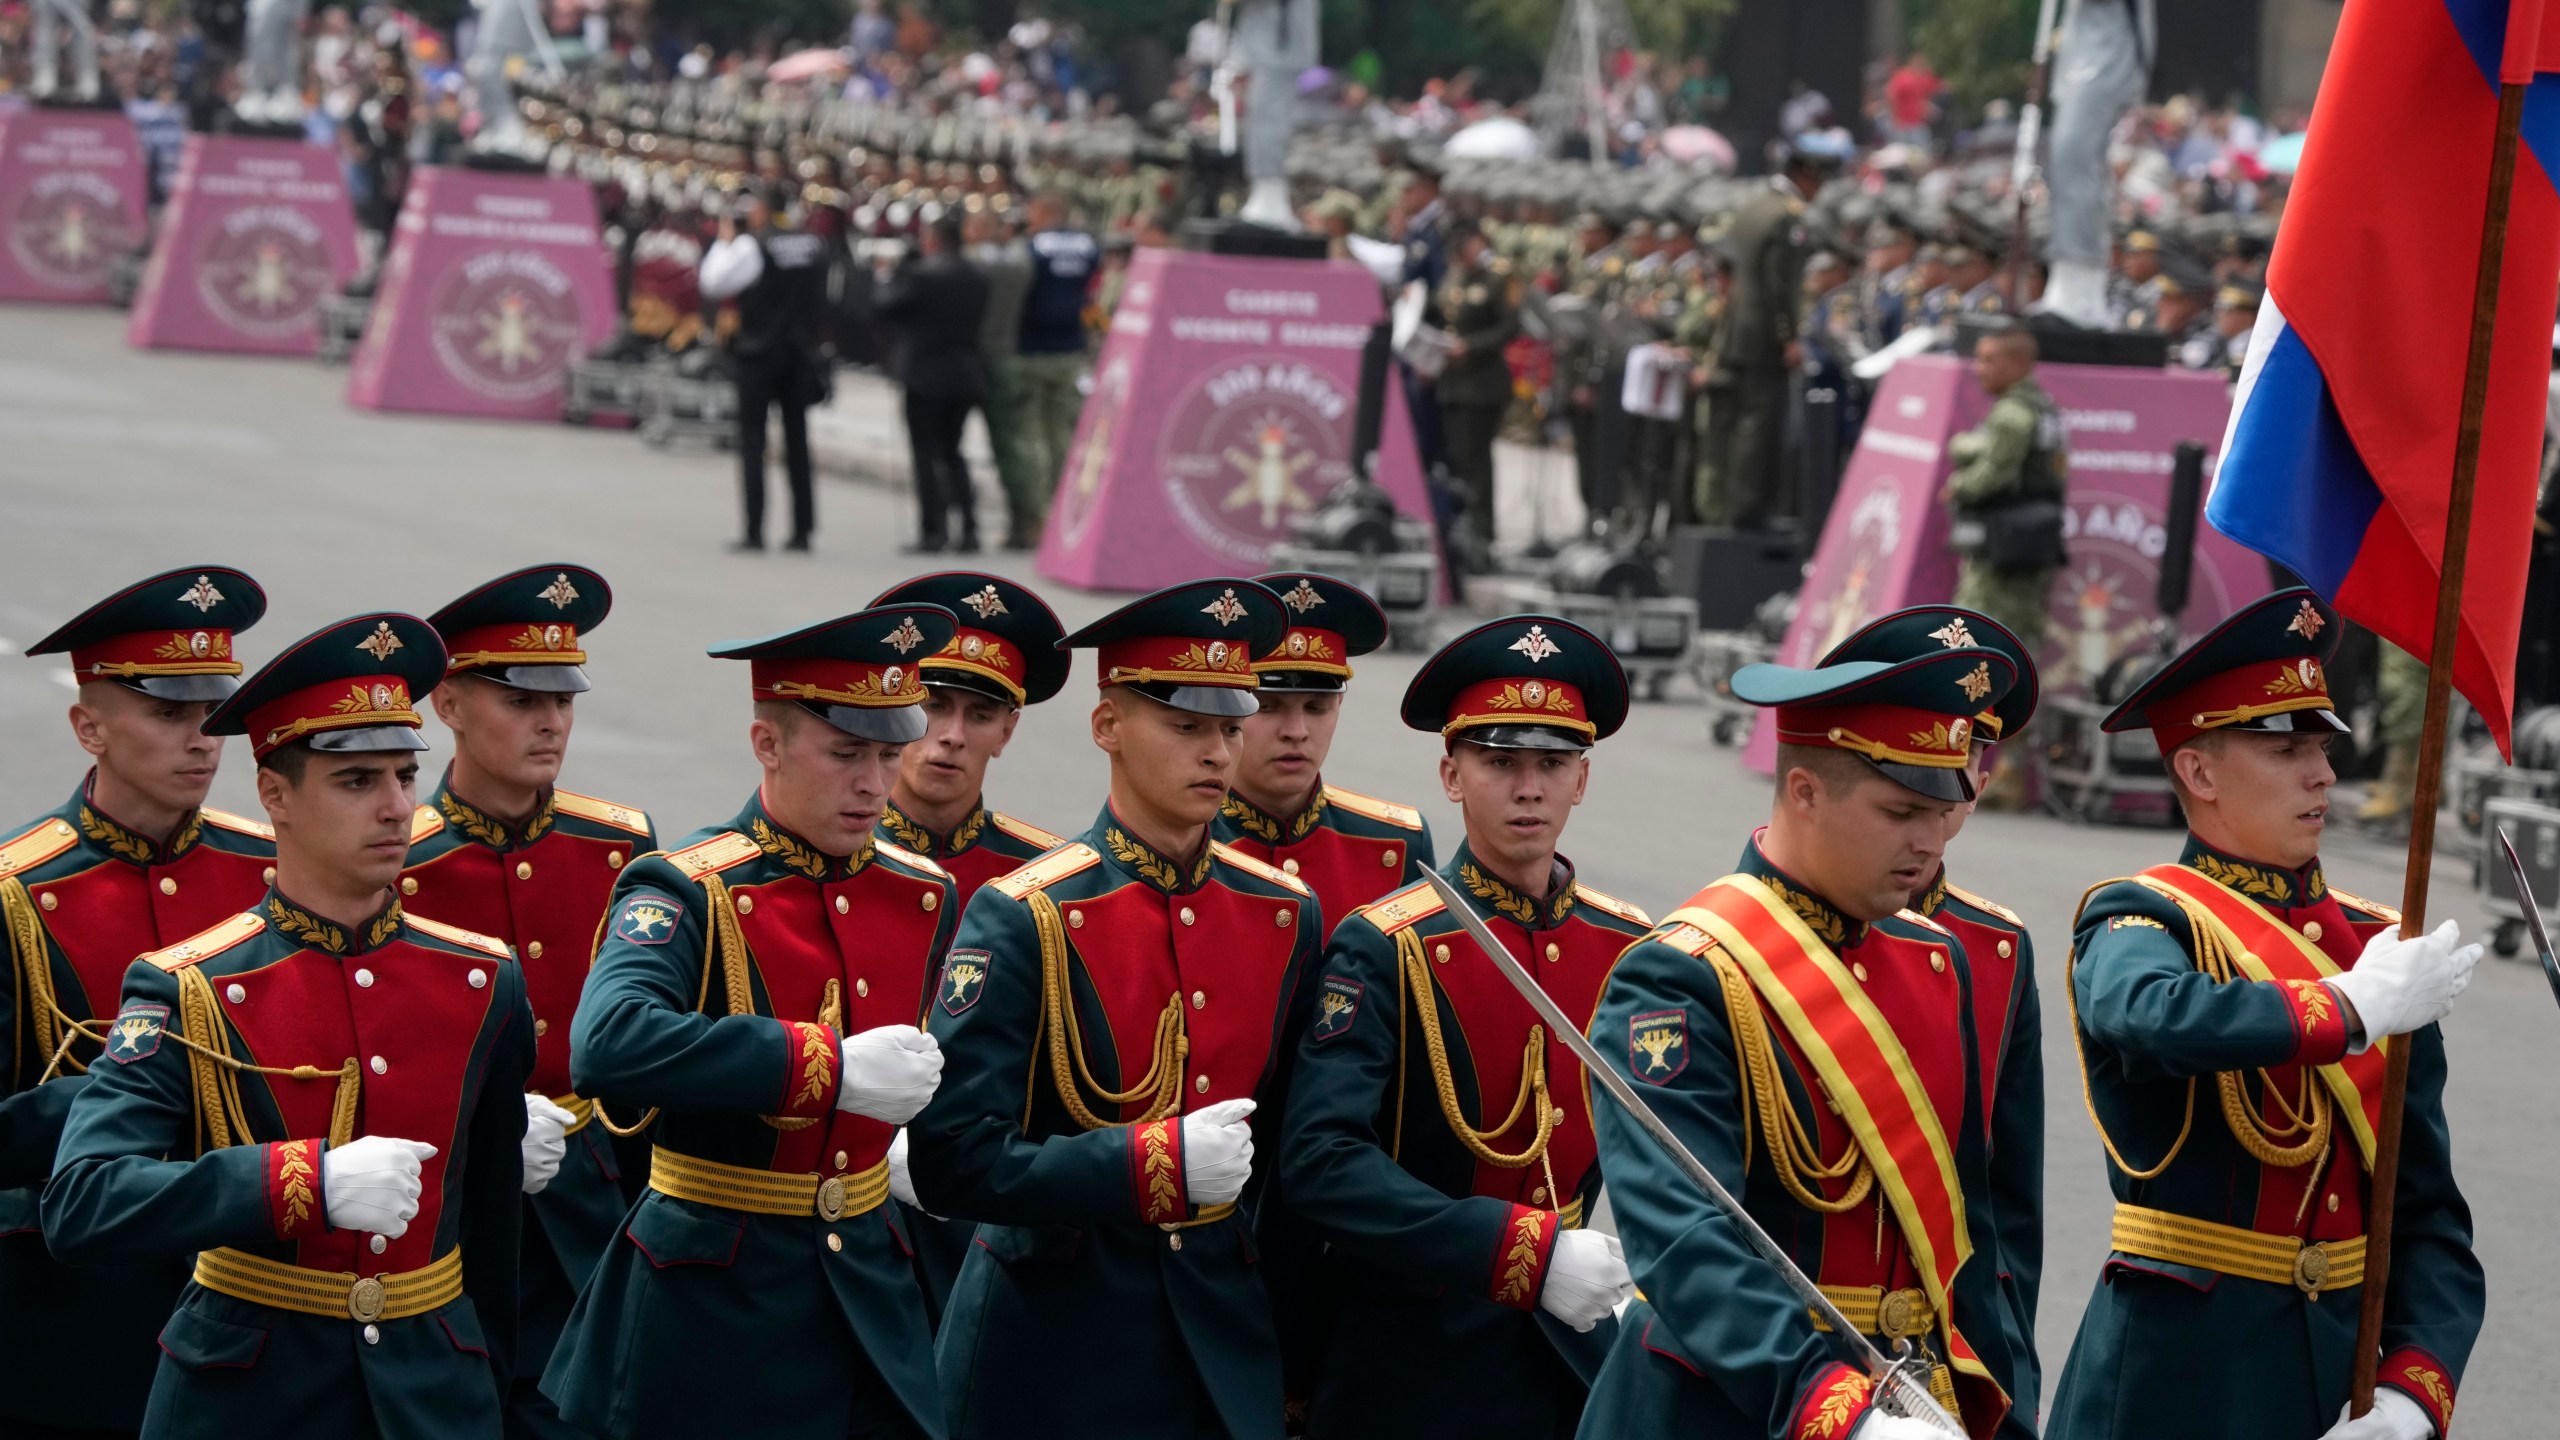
(528, 629)
(2264, 670)
(1928, 629)
(1912, 720)
(1007, 643)
(1330, 621)
(858, 672)
(354, 687)
(1524, 682)
(1188, 646)
(169, 637)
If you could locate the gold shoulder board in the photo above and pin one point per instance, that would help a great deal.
(1923, 921)
(209, 942)
(603, 812)
(1633, 915)
(1048, 870)
(1684, 937)
(1992, 907)
(1258, 869)
(423, 823)
(456, 935)
(37, 846)
(715, 854)
(2385, 913)
(1403, 817)
(910, 858)
(242, 824)
(1414, 902)
(1025, 831)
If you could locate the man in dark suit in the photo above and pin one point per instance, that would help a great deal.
(935, 303)
(777, 273)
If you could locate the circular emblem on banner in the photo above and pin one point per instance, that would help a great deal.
(506, 324)
(1252, 445)
(263, 271)
(68, 229)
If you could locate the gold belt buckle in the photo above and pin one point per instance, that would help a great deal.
(1899, 1315)
(2311, 1270)
(364, 1299)
(831, 1198)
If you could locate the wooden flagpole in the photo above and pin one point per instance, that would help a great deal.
(2431, 743)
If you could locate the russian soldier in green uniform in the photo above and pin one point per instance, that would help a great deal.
(320, 1098)
(131, 862)
(1756, 348)
(760, 985)
(1479, 305)
(2007, 1024)
(1114, 1013)
(1812, 1043)
(1593, 272)
(2010, 470)
(1003, 656)
(1437, 1139)
(2239, 982)
(499, 849)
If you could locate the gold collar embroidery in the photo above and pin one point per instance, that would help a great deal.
(1506, 899)
(912, 835)
(130, 846)
(1933, 899)
(488, 829)
(327, 936)
(1270, 829)
(1156, 869)
(2269, 884)
(800, 855)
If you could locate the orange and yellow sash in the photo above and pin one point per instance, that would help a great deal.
(2266, 949)
(1863, 1068)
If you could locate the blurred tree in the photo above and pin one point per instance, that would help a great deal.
(1981, 48)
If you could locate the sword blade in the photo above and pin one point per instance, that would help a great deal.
(2532, 913)
(1908, 1395)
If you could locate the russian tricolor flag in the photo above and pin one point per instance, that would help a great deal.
(2340, 455)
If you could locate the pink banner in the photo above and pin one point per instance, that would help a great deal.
(256, 234)
(496, 285)
(1885, 545)
(72, 193)
(1222, 409)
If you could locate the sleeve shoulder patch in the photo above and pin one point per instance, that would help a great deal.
(1048, 870)
(456, 935)
(1259, 870)
(714, 855)
(424, 823)
(603, 812)
(647, 918)
(238, 824)
(910, 859)
(1026, 832)
(36, 846)
(1633, 915)
(135, 1033)
(1404, 907)
(1989, 907)
(208, 942)
(1369, 807)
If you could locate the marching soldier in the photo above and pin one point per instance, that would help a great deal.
(1479, 305)
(2237, 982)
(1003, 657)
(1113, 1012)
(761, 984)
(2008, 1030)
(498, 849)
(131, 862)
(1813, 1045)
(1347, 847)
(319, 1098)
(1436, 1137)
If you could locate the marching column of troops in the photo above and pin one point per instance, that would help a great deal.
(873, 1111)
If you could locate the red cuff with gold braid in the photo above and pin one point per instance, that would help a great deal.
(2422, 1378)
(1833, 1404)
(2319, 1022)
(1520, 1256)
(1155, 1171)
(813, 1065)
(294, 1207)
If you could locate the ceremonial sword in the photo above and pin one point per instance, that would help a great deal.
(1898, 1390)
(2532, 914)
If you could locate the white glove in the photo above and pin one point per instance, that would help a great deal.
(2394, 1416)
(1879, 1426)
(889, 1073)
(902, 1186)
(372, 1184)
(2402, 985)
(546, 1141)
(1217, 1152)
(1586, 1278)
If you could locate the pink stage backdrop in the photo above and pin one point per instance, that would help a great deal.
(1885, 545)
(496, 285)
(256, 234)
(71, 200)
(1222, 409)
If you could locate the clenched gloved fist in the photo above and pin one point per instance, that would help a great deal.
(1217, 1152)
(372, 1184)
(2394, 1416)
(902, 1186)
(546, 1141)
(2398, 986)
(1586, 1278)
(889, 1073)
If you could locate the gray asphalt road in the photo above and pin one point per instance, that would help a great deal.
(114, 463)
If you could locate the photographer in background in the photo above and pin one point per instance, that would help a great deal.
(777, 274)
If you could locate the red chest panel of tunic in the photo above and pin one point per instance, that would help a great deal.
(1571, 961)
(544, 899)
(873, 936)
(411, 1018)
(1914, 983)
(106, 916)
(1345, 871)
(1224, 952)
(2337, 1211)
(976, 866)
(1991, 950)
